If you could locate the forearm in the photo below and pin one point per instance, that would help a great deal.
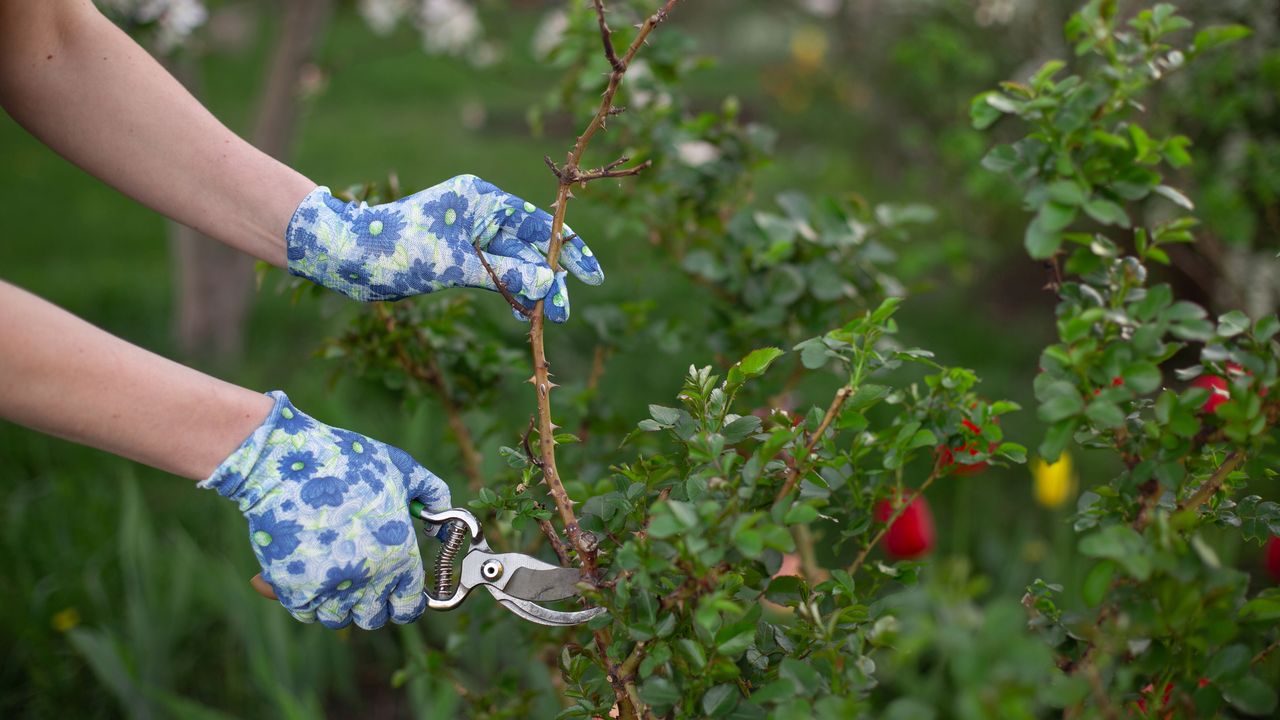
(78, 83)
(61, 375)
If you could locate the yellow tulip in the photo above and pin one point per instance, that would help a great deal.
(1055, 483)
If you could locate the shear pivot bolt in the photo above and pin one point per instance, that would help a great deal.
(491, 569)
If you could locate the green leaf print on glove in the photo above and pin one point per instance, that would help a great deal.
(328, 514)
(427, 241)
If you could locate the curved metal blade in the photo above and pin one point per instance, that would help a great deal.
(543, 585)
(538, 614)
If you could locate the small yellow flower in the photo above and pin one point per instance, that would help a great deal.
(1055, 483)
(65, 619)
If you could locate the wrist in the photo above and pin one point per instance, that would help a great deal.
(234, 478)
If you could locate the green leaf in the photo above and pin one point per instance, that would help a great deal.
(741, 428)
(785, 590)
(1122, 544)
(720, 700)
(1013, 451)
(1250, 696)
(1113, 541)
(922, 438)
(1055, 216)
(1217, 35)
(1141, 377)
(1107, 212)
(749, 542)
(664, 416)
(1228, 663)
(1002, 158)
(813, 353)
(1002, 103)
(981, 113)
(887, 308)
(1232, 324)
(753, 365)
(1104, 414)
(1263, 608)
(1097, 582)
(805, 679)
(683, 512)
(801, 514)
(865, 395)
(659, 691)
(1066, 192)
(1056, 439)
(1266, 327)
(664, 526)
(1041, 242)
(1175, 196)
(1061, 401)
(692, 652)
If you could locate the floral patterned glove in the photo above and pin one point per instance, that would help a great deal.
(426, 241)
(329, 520)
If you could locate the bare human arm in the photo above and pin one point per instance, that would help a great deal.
(61, 375)
(77, 82)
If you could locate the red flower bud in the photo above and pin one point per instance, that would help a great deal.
(911, 534)
(1117, 381)
(1218, 392)
(947, 459)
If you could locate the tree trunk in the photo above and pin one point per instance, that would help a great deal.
(214, 285)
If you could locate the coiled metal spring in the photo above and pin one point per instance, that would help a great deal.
(444, 561)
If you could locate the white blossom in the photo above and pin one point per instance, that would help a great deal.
(448, 26)
(383, 15)
(174, 20)
(549, 34)
(696, 153)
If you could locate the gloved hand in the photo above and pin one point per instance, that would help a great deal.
(426, 241)
(329, 520)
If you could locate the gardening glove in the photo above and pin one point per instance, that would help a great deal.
(328, 514)
(427, 241)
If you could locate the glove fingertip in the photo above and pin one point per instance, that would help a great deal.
(578, 258)
(375, 621)
(407, 602)
(556, 306)
(303, 616)
(336, 624)
(407, 612)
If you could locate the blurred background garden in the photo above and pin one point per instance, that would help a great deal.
(125, 590)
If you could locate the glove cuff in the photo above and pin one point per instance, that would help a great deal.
(302, 242)
(230, 479)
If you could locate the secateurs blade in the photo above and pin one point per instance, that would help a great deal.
(518, 582)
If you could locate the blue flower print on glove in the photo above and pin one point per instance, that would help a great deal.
(425, 242)
(328, 514)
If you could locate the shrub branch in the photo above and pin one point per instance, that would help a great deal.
(568, 175)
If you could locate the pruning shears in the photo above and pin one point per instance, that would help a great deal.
(517, 581)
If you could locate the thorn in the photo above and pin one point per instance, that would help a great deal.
(533, 380)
